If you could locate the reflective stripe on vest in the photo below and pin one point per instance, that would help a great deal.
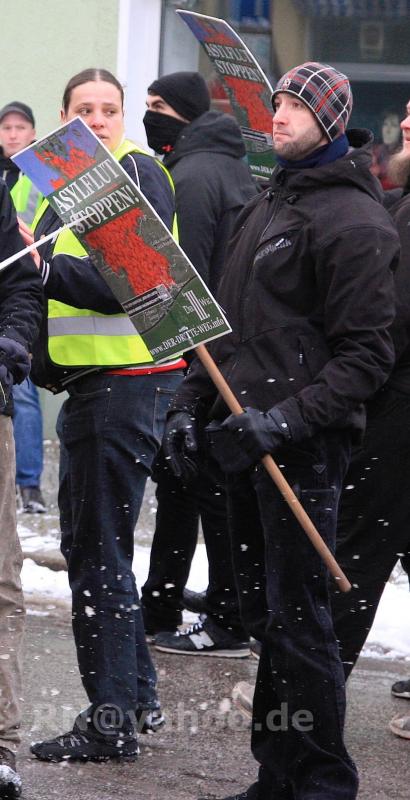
(26, 198)
(79, 337)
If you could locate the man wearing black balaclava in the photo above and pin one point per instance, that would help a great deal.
(205, 153)
(182, 96)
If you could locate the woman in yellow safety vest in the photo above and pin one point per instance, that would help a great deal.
(110, 430)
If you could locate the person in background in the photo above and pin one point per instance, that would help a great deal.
(17, 131)
(374, 519)
(110, 432)
(383, 152)
(308, 290)
(204, 153)
(374, 512)
(21, 298)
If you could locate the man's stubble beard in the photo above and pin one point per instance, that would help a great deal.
(296, 151)
(398, 168)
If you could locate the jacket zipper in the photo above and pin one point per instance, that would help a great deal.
(301, 352)
(275, 206)
(277, 197)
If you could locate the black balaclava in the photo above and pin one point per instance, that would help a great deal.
(162, 131)
(187, 93)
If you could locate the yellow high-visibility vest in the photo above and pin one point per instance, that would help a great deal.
(26, 198)
(79, 337)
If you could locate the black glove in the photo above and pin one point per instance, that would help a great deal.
(180, 444)
(242, 439)
(14, 367)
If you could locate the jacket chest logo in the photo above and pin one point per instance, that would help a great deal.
(273, 247)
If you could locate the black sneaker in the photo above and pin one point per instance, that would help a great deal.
(149, 720)
(195, 601)
(202, 639)
(152, 632)
(251, 794)
(10, 781)
(32, 499)
(153, 626)
(79, 746)
(401, 689)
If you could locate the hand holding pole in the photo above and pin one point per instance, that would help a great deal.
(276, 475)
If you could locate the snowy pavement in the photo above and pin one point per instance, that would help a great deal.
(48, 588)
(196, 696)
(45, 588)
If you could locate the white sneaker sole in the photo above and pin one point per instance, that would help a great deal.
(215, 653)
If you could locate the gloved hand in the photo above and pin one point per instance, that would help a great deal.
(242, 439)
(14, 367)
(180, 444)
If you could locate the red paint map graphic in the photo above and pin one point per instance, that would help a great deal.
(118, 239)
(70, 164)
(247, 95)
(210, 33)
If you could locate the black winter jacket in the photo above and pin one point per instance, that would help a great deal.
(400, 212)
(21, 293)
(212, 184)
(9, 171)
(308, 290)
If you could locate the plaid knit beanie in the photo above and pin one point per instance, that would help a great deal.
(324, 90)
(186, 92)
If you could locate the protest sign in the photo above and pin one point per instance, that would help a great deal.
(246, 85)
(164, 297)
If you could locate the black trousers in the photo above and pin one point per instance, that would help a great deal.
(176, 531)
(299, 702)
(374, 519)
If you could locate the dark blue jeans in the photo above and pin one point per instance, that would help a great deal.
(373, 525)
(174, 543)
(28, 434)
(110, 430)
(299, 704)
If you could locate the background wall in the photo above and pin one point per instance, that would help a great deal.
(43, 44)
(139, 32)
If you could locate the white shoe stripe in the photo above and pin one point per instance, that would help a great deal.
(201, 640)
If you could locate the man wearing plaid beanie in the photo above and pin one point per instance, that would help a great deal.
(308, 290)
(325, 91)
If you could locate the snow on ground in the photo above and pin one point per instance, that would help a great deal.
(390, 634)
(32, 541)
(389, 637)
(38, 580)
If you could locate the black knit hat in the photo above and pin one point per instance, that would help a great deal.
(325, 91)
(186, 92)
(18, 108)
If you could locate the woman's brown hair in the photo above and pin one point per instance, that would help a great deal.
(92, 74)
